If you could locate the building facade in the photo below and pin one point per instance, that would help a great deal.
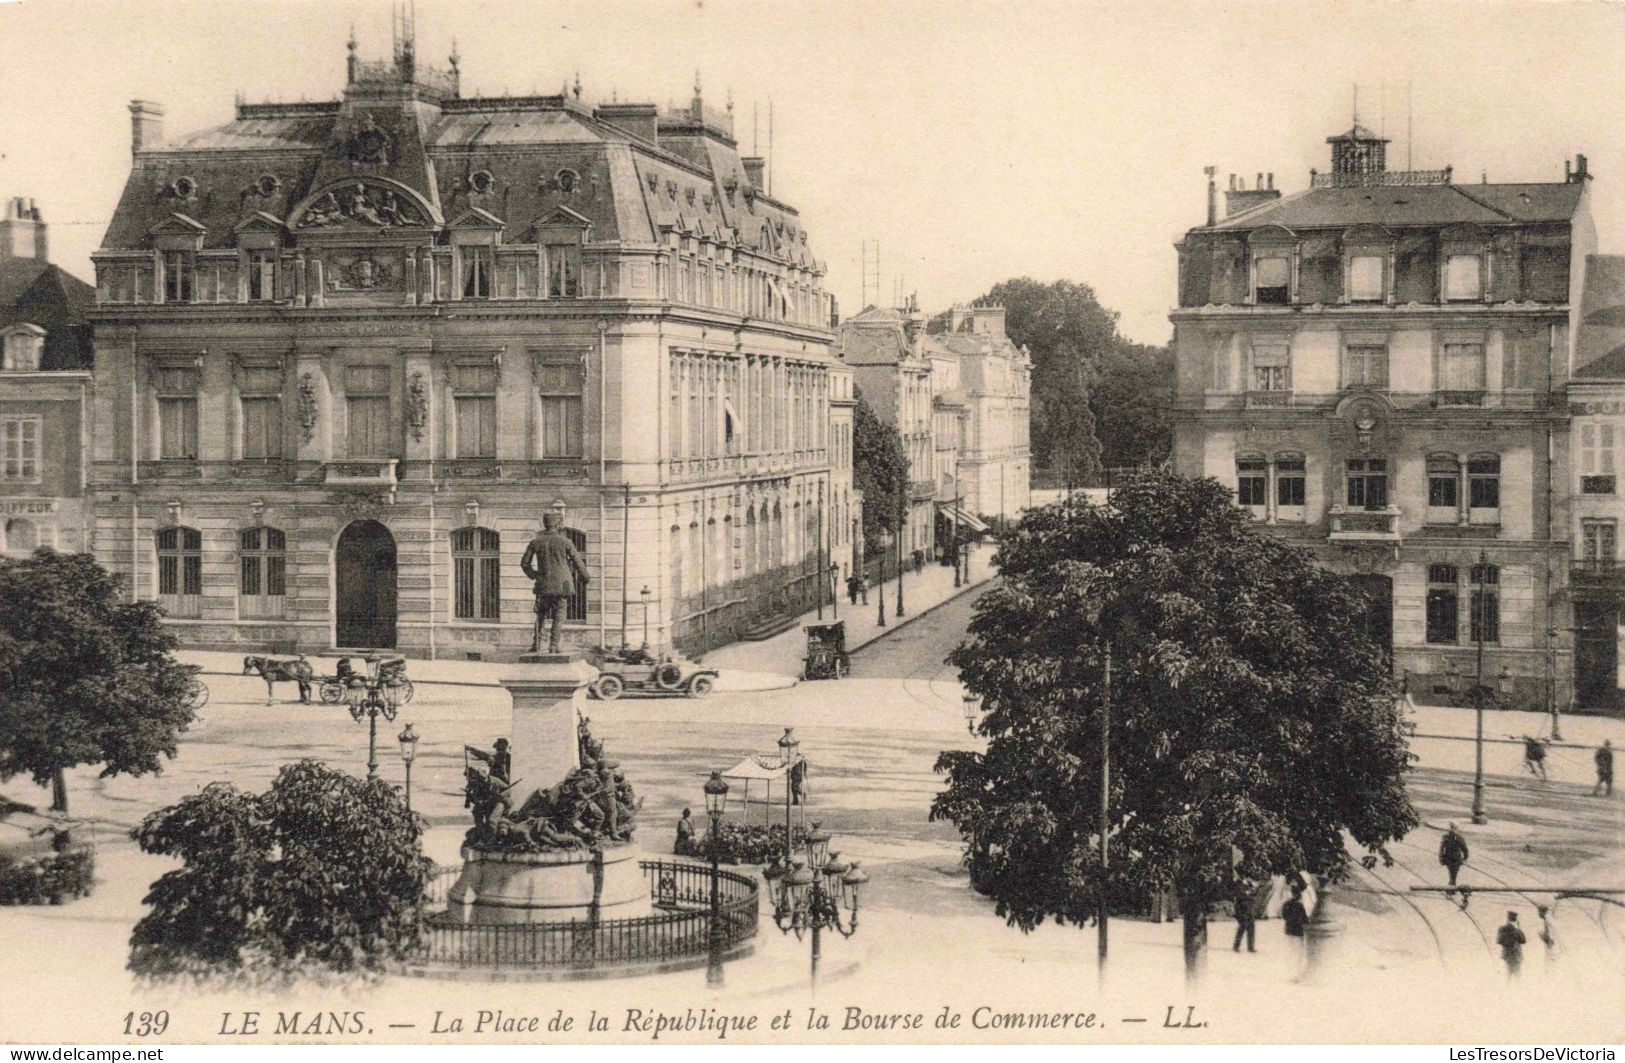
(1376, 365)
(995, 380)
(348, 353)
(45, 355)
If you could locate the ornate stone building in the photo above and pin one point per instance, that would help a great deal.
(995, 377)
(1376, 364)
(45, 355)
(348, 353)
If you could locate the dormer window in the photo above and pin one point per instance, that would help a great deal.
(1366, 278)
(178, 277)
(23, 346)
(261, 264)
(476, 272)
(563, 271)
(1463, 278)
(1273, 281)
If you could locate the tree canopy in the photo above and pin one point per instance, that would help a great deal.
(1249, 711)
(85, 678)
(879, 470)
(324, 872)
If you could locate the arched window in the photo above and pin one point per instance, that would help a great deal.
(180, 571)
(476, 574)
(1443, 604)
(1486, 604)
(576, 607)
(262, 563)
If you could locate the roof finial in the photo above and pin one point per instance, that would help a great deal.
(454, 58)
(352, 42)
(1356, 105)
(730, 99)
(696, 84)
(577, 87)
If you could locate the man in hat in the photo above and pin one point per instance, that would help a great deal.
(1605, 769)
(1453, 852)
(555, 570)
(1510, 938)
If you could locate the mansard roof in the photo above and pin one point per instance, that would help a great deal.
(39, 293)
(1413, 205)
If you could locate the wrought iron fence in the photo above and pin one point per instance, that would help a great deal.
(680, 893)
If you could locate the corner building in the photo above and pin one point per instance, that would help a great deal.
(1377, 366)
(348, 353)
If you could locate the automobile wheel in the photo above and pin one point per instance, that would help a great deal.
(669, 676)
(701, 686)
(608, 687)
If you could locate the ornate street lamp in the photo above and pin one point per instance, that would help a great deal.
(973, 708)
(835, 590)
(1480, 695)
(810, 892)
(880, 584)
(373, 697)
(716, 802)
(409, 752)
(789, 749)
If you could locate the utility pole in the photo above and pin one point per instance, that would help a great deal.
(1105, 801)
(1480, 615)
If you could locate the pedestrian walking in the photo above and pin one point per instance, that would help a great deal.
(1605, 769)
(1453, 852)
(1534, 756)
(1510, 938)
(1547, 938)
(852, 585)
(1295, 918)
(1246, 915)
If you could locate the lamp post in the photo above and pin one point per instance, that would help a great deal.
(880, 584)
(808, 892)
(958, 498)
(860, 561)
(716, 802)
(373, 697)
(835, 590)
(409, 752)
(1481, 695)
(789, 749)
(643, 598)
(973, 708)
(901, 522)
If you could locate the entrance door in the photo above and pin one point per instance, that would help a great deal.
(364, 586)
(1378, 619)
(1596, 654)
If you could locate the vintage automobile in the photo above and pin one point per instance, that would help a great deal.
(629, 668)
(826, 651)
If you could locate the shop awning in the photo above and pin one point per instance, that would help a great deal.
(960, 516)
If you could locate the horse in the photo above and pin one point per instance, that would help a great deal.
(281, 670)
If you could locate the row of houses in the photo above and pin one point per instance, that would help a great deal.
(1423, 382)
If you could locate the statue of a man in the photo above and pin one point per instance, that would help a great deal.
(554, 568)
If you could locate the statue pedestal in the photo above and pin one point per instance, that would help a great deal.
(546, 700)
(555, 887)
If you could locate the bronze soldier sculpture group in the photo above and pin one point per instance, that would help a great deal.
(590, 808)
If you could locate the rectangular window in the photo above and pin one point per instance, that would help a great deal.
(1251, 484)
(563, 271)
(263, 567)
(177, 414)
(261, 275)
(1486, 604)
(178, 279)
(476, 272)
(1290, 484)
(1463, 279)
(1365, 278)
(20, 449)
(1368, 483)
(260, 388)
(1365, 367)
(1461, 367)
(1444, 489)
(1600, 539)
(1272, 369)
(367, 404)
(1484, 487)
(1274, 280)
(474, 388)
(476, 556)
(1596, 459)
(560, 390)
(180, 571)
(1443, 606)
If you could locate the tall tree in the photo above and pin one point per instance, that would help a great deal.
(324, 872)
(1132, 396)
(1249, 712)
(84, 677)
(879, 470)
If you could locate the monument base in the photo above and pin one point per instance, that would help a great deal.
(546, 658)
(551, 887)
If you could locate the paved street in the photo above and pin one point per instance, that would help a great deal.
(925, 936)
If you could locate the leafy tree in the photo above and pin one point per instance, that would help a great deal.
(1249, 711)
(84, 677)
(322, 873)
(1132, 396)
(879, 470)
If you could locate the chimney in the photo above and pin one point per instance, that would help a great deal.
(988, 320)
(1241, 198)
(146, 125)
(754, 165)
(1212, 194)
(1581, 175)
(22, 232)
(639, 119)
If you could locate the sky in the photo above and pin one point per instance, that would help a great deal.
(972, 141)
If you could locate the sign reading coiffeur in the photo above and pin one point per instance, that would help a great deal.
(19, 507)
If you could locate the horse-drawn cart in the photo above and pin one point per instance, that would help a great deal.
(389, 669)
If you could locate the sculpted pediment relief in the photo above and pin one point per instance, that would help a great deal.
(178, 224)
(361, 205)
(476, 218)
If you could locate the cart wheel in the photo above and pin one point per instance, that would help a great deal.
(607, 687)
(700, 686)
(669, 676)
(332, 692)
(198, 695)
